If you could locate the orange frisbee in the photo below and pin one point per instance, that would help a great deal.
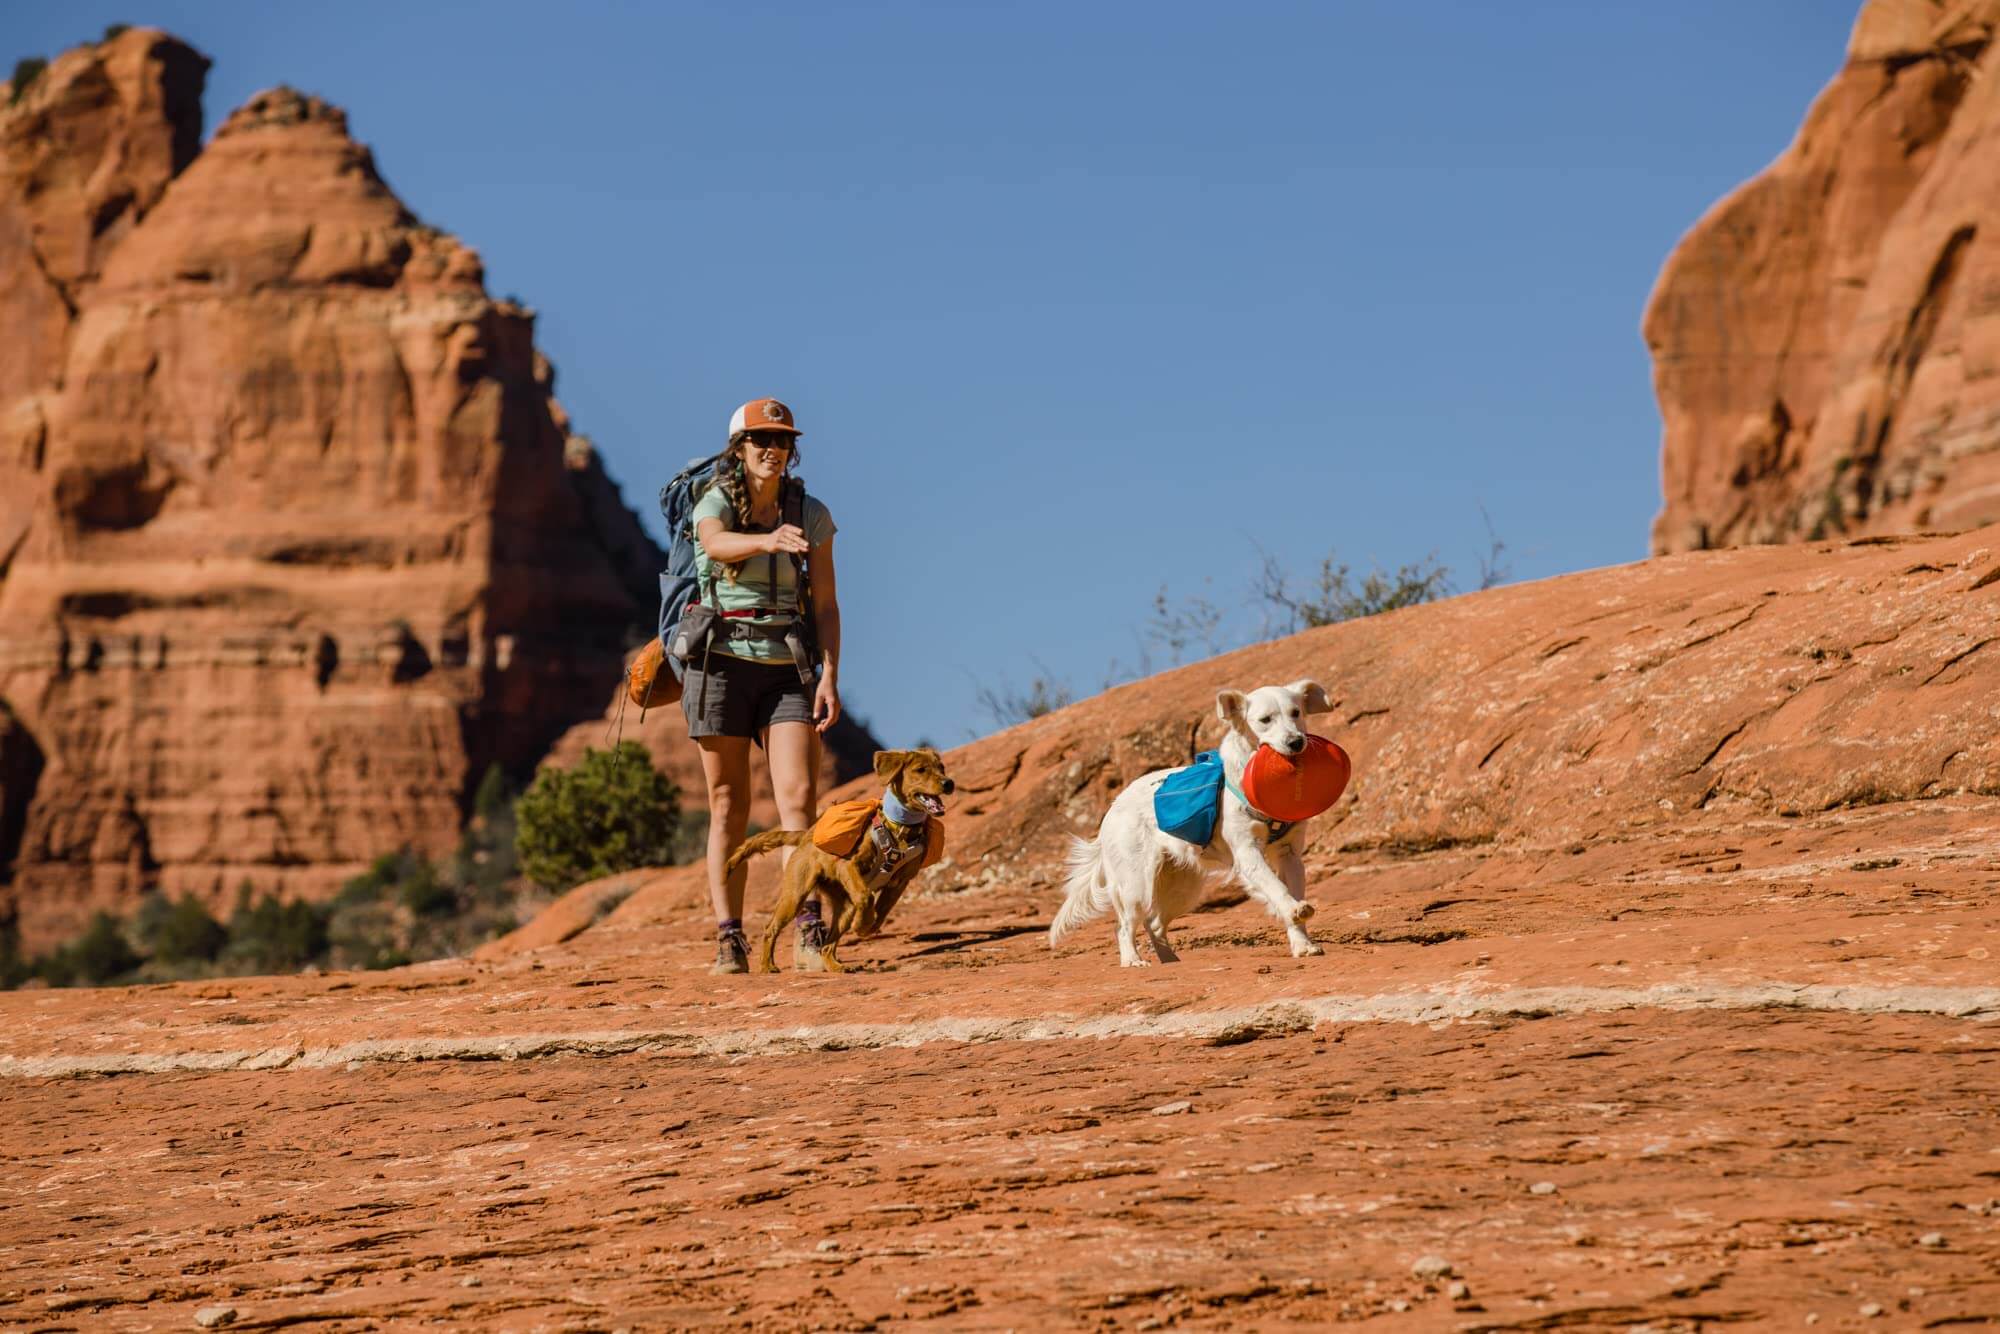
(1297, 787)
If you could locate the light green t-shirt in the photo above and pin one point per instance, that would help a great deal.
(761, 581)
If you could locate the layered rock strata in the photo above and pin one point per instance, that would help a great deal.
(1826, 341)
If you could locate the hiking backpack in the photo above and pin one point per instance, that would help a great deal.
(678, 583)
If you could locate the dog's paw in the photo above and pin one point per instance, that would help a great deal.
(1135, 963)
(1306, 950)
(1302, 911)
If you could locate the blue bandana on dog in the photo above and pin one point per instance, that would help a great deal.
(901, 814)
(1187, 801)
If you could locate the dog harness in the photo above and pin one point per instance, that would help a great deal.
(841, 828)
(1277, 828)
(1188, 802)
(892, 851)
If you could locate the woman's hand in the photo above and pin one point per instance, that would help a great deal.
(787, 538)
(826, 704)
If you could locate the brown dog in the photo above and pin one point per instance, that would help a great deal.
(862, 885)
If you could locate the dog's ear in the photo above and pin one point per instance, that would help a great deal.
(1312, 695)
(1229, 706)
(888, 763)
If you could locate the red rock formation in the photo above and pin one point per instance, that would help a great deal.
(85, 152)
(290, 548)
(1825, 341)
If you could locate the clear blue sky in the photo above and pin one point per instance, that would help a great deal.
(1075, 300)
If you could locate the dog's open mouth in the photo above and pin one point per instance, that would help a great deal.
(930, 803)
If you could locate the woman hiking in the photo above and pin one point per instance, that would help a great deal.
(760, 540)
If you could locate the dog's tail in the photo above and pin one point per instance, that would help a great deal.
(1085, 897)
(768, 841)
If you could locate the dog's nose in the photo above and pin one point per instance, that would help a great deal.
(949, 786)
(1294, 747)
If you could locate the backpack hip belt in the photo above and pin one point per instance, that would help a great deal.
(739, 630)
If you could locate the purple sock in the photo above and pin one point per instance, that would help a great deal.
(729, 926)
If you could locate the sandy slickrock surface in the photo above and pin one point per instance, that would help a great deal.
(1825, 339)
(1659, 991)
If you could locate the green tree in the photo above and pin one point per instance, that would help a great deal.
(485, 861)
(495, 798)
(422, 892)
(98, 955)
(181, 931)
(276, 935)
(614, 811)
(14, 970)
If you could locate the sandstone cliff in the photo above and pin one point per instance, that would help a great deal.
(295, 539)
(1825, 341)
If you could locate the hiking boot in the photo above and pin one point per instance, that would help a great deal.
(812, 939)
(732, 953)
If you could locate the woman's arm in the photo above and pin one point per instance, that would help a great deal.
(725, 547)
(826, 625)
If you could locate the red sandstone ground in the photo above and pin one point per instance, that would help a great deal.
(1659, 992)
(1756, 1080)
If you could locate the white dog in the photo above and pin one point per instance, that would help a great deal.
(1149, 877)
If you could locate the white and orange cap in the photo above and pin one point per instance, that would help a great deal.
(762, 414)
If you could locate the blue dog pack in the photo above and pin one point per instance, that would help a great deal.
(1188, 800)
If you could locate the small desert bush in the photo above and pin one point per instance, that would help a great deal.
(1273, 606)
(26, 71)
(274, 935)
(180, 930)
(97, 956)
(615, 811)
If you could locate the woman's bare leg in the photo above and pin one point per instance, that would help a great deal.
(793, 749)
(725, 766)
(793, 752)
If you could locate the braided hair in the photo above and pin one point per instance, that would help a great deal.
(735, 488)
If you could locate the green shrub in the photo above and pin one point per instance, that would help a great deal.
(113, 31)
(485, 862)
(495, 799)
(98, 955)
(14, 970)
(613, 812)
(423, 893)
(26, 71)
(366, 934)
(179, 932)
(276, 935)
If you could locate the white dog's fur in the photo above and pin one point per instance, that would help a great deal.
(1149, 877)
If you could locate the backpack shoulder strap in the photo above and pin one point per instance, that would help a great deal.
(792, 510)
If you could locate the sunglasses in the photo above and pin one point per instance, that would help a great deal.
(772, 444)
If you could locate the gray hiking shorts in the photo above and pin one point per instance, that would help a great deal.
(742, 698)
